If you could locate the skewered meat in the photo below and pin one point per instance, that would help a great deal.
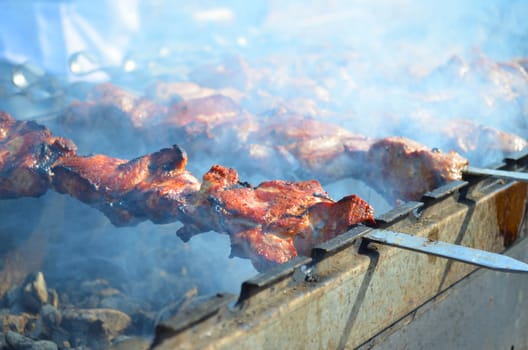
(233, 72)
(27, 152)
(295, 147)
(208, 125)
(407, 169)
(269, 224)
(116, 119)
(309, 148)
(154, 186)
(109, 105)
(316, 149)
(397, 167)
(272, 222)
(140, 110)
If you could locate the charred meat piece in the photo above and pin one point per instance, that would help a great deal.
(155, 186)
(208, 125)
(107, 104)
(309, 148)
(273, 222)
(398, 168)
(480, 143)
(27, 152)
(403, 169)
(112, 120)
(141, 111)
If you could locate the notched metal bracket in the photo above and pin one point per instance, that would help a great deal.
(185, 319)
(338, 243)
(444, 191)
(271, 276)
(519, 158)
(399, 213)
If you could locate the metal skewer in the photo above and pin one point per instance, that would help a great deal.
(467, 255)
(500, 174)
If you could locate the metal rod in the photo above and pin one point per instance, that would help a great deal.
(456, 252)
(501, 174)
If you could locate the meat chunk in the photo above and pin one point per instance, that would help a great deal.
(397, 167)
(109, 105)
(155, 186)
(111, 120)
(403, 169)
(141, 111)
(273, 222)
(27, 152)
(209, 125)
(310, 148)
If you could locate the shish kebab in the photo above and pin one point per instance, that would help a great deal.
(216, 125)
(269, 224)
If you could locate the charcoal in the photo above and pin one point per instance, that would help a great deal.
(34, 292)
(17, 323)
(50, 315)
(17, 341)
(44, 326)
(124, 303)
(94, 327)
(139, 311)
(61, 337)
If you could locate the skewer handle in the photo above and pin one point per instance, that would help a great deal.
(456, 252)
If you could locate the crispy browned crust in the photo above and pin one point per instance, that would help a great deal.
(141, 111)
(406, 169)
(274, 221)
(27, 152)
(154, 186)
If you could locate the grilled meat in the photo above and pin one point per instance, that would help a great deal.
(115, 118)
(398, 168)
(286, 145)
(273, 222)
(141, 111)
(308, 148)
(268, 224)
(208, 126)
(406, 169)
(155, 186)
(27, 152)
(109, 105)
